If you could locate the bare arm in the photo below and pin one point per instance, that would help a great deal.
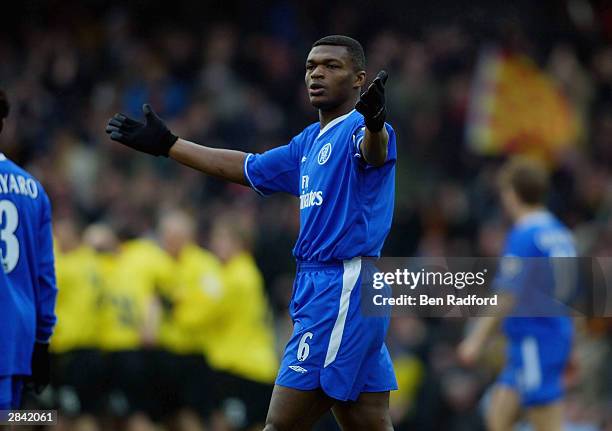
(220, 163)
(374, 146)
(153, 137)
(149, 329)
(470, 349)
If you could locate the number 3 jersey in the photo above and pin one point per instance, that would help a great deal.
(26, 247)
(346, 205)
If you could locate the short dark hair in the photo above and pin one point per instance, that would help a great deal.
(4, 105)
(353, 47)
(527, 177)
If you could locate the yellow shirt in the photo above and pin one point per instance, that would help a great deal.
(409, 372)
(243, 335)
(78, 300)
(190, 301)
(131, 279)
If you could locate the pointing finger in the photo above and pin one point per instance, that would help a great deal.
(115, 122)
(382, 77)
(111, 129)
(116, 136)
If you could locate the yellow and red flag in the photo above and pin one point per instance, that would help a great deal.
(516, 108)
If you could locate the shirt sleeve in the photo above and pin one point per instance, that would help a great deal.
(46, 288)
(358, 137)
(513, 266)
(276, 170)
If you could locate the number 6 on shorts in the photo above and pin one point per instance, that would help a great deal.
(303, 348)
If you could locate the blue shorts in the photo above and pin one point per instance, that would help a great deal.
(10, 392)
(334, 346)
(535, 367)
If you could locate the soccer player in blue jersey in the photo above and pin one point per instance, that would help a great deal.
(27, 309)
(342, 169)
(538, 346)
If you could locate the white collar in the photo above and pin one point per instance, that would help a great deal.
(534, 218)
(332, 123)
(2, 157)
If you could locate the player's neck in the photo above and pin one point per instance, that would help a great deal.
(525, 211)
(325, 117)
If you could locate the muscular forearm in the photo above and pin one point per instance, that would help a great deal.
(220, 163)
(374, 146)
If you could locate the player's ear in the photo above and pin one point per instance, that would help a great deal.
(360, 79)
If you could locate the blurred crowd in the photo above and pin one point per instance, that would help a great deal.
(233, 77)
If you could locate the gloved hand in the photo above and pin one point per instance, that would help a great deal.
(152, 137)
(41, 368)
(371, 104)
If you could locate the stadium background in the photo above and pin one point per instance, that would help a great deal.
(230, 74)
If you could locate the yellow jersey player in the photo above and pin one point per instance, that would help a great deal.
(79, 366)
(188, 320)
(244, 352)
(132, 273)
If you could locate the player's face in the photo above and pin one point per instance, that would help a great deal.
(331, 78)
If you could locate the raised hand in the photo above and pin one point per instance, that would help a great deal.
(371, 104)
(152, 137)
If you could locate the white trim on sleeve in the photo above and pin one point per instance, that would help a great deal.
(246, 174)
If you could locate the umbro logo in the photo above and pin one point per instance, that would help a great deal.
(298, 369)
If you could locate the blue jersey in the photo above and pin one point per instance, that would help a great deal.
(346, 205)
(26, 246)
(537, 235)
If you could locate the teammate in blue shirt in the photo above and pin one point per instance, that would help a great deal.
(27, 306)
(539, 337)
(342, 168)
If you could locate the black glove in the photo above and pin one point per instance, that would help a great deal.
(371, 104)
(41, 368)
(152, 137)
